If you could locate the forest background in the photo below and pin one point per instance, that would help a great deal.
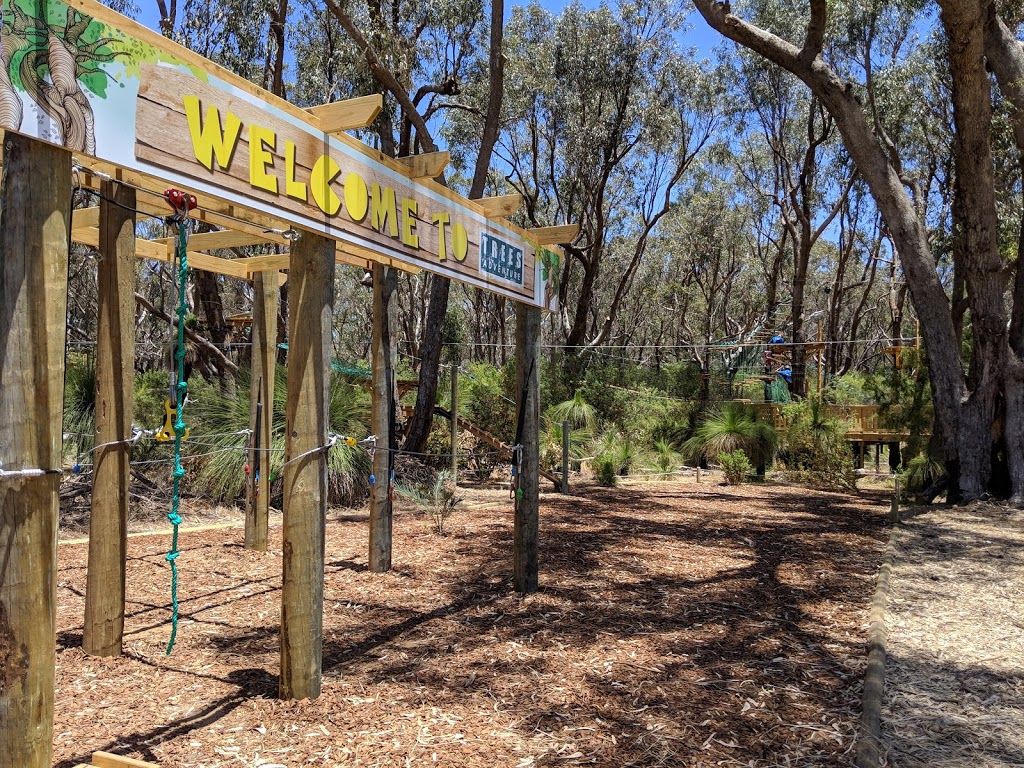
(849, 173)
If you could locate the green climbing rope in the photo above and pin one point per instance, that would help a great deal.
(179, 424)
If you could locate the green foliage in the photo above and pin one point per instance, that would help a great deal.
(80, 403)
(853, 388)
(438, 498)
(666, 458)
(551, 444)
(734, 427)
(222, 475)
(578, 412)
(735, 465)
(606, 470)
(151, 392)
(921, 472)
(815, 446)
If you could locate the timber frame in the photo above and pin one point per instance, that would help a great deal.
(35, 218)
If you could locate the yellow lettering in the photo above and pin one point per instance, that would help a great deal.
(259, 158)
(292, 188)
(460, 242)
(356, 199)
(325, 170)
(382, 209)
(409, 236)
(441, 220)
(209, 138)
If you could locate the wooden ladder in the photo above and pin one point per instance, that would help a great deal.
(107, 760)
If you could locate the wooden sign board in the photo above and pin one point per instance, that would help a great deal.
(77, 74)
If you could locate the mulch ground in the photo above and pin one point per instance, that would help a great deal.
(677, 625)
(954, 689)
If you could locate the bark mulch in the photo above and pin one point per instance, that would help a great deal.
(677, 625)
(954, 689)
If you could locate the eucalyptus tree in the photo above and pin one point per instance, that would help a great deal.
(965, 405)
(604, 117)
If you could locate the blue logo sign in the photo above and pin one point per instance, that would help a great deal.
(501, 259)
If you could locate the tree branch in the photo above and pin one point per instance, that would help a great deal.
(192, 335)
(815, 32)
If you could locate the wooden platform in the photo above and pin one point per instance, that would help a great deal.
(107, 760)
(862, 422)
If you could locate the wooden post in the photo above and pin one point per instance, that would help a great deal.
(115, 385)
(383, 403)
(526, 525)
(35, 212)
(821, 360)
(565, 456)
(311, 297)
(261, 399)
(455, 423)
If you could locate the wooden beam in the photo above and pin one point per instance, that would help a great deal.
(35, 212)
(429, 165)
(85, 217)
(501, 206)
(349, 114)
(261, 409)
(225, 238)
(115, 378)
(311, 296)
(156, 250)
(563, 233)
(107, 760)
(383, 401)
(526, 524)
(362, 257)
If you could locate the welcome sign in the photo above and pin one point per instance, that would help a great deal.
(70, 76)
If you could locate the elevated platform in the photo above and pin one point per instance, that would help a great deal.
(863, 421)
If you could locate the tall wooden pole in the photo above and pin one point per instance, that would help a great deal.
(261, 404)
(566, 432)
(35, 212)
(115, 379)
(383, 394)
(455, 423)
(525, 528)
(310, 299)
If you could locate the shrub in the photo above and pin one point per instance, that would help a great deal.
(665, 459)
(921, 472)
(734, 427)
(606, 474)
(438, 498)
(735, 465)
(816, 448)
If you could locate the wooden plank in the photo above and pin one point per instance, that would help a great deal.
(115, 378)
(349, 114)
(256, 264)
(108, 760)
(311, 296)
(563, 233)
(35, 212)
(382, 403)
(264, 357)
(428, 165)
(501, 206)
(525, 568)
(225, 238)
(156, 250)
(85, 217)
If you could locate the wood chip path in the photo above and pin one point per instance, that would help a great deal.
(677, 625)
(954, 689)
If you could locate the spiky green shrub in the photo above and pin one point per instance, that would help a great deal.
(734, 427)
(578, 412)
(551, 444)
(666, 458)
(79, 405)
(438, 499)
(921, 472)
(735, 465)
(222, 475)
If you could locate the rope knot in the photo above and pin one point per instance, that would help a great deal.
(179, 472)
(171, 556)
